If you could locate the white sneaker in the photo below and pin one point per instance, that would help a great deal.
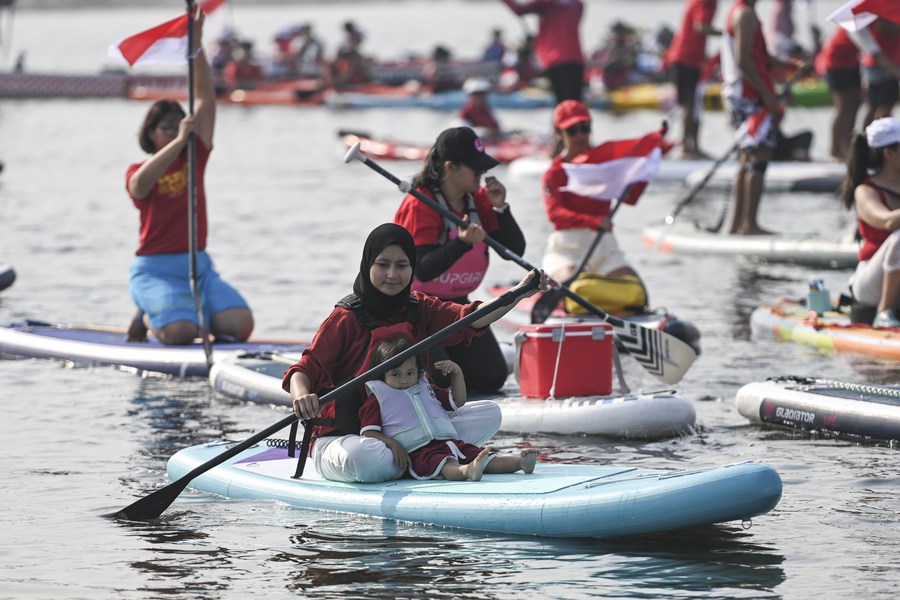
(886, 318)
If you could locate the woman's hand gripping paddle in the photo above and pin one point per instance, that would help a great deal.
(661, 354)
(154, 504)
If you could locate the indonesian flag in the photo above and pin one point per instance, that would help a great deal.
(605, 173)
(859, 14)
(163, 44)
(754, 130)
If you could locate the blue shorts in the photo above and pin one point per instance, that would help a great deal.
(161, 287)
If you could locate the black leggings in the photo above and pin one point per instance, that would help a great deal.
(482, 363)
(567, 81)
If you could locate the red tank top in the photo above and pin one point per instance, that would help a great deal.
(737, 85)
(873, 237)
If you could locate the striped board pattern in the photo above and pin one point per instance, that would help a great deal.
(791, 321)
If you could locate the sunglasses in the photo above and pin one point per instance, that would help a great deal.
(578, 128)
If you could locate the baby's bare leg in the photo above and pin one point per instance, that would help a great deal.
(524, 461)
(475, 469)
(453, 471)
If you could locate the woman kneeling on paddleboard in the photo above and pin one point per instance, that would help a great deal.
(451, 261)
(382, 305)
(876, 198)
(160, 276)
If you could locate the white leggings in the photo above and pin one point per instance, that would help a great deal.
(868, 279)
(356, 458)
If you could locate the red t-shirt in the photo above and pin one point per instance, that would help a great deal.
(340, 345)
(427, 225)
(558, 40)
(164, 211)
(478, 116)
(838, 52)
(689, 45)
(567, 210)
(238, 72)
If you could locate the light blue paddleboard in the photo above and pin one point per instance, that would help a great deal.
(556, 500)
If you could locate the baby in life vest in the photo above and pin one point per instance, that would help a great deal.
(411, 417)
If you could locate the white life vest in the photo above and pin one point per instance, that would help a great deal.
(414, 416)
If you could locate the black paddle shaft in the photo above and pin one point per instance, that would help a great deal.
(154, 504)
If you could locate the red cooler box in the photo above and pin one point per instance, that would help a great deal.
(582, 366)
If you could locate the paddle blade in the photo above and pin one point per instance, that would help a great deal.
(663, 355)
(153, 505)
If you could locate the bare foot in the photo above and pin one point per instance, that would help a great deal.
(756, 230)
(528, 460)
(695, 155)
(137, 330)
(475, 469)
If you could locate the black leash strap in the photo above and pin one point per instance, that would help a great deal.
(304, 446)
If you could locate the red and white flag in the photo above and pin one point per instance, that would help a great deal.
(754, 130)
(163, 44)
(605, 173)
(859, 14)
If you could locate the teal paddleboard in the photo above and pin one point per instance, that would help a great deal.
(556, 500)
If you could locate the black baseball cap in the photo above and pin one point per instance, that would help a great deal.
(462, 145)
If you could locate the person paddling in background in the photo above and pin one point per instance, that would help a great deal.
(451, 262)
(558, 43)
(411, 417)
(382, 305)
(686, 55)
(577, 219)
(476, 112)
(160, 274)
(243, 72)
(872, 186)
(838, 61)
(749, 87)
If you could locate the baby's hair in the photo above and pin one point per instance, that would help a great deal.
(393, 346)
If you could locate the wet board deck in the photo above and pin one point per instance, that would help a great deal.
(635, 416)
(97, 345)
(802, 249)
(556, 500)
(822, 405)
(792, 321)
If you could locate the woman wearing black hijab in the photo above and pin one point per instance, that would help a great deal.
(382, 305)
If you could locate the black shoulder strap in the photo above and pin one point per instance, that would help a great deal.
(352, 302)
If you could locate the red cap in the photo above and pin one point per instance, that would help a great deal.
(568, 113)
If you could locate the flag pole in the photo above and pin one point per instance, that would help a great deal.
(192, 191)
